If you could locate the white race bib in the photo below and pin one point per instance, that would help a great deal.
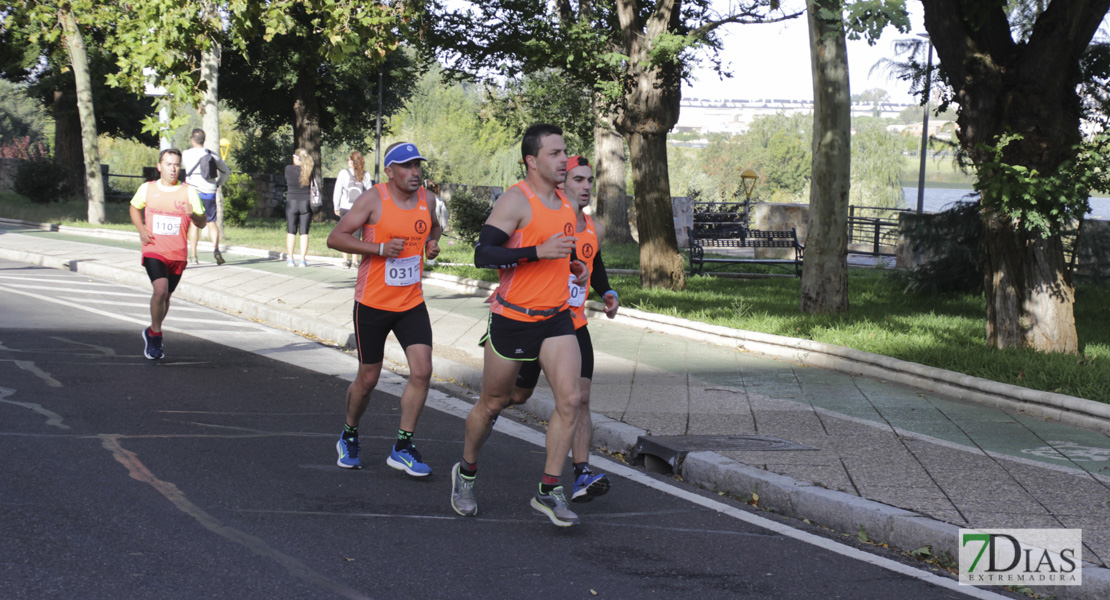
(402, 271)
(578, 293)
(166, 225)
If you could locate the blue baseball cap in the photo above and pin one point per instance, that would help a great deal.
(403, 154)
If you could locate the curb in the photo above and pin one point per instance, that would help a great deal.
(839, 511)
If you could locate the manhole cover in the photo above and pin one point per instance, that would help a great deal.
(672, 449)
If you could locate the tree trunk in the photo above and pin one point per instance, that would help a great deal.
(612, 195)
(660, 262)
(79, 60)
(210, 113)
(649, 109)
(1026, 87)
(1029, 296)
(68, 153)
(306, 120)
(825, 269)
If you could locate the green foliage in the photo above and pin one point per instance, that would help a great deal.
(260, 152)
(876, 165)
(37, 180)
(240, 197)
(1044, 202)
(468, 215)
(450, 124)
(549, 96)
(950, 246)
(20, 114)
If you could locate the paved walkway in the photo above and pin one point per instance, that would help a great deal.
(907, 464)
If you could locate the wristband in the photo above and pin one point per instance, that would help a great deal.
(613, 292)
(381, 249)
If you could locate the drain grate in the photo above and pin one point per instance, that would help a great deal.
(660, 451)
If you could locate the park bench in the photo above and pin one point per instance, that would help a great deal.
(723, 230)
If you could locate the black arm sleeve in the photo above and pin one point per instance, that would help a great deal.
(490, 254)
(599, 279)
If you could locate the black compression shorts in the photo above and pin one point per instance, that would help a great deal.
(156, 268)
(372, 326)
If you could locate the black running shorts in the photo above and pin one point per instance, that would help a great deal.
(372, 326)
(529, 374)
(521, 340)
(156, 268)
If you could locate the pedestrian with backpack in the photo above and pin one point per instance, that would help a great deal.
(206, 171)
(349, 185)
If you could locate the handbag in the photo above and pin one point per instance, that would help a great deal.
(314, 198)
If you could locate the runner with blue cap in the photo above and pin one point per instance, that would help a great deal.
(397, 229)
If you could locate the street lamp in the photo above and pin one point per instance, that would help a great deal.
(924, 127)
(225, 147)
(747, 179)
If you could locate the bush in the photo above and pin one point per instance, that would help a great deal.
(951, 244)
(37, 180)
(240, 198)
(468, 215)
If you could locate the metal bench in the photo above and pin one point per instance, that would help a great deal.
(731, 235)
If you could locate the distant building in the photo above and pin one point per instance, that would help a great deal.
(713, 115)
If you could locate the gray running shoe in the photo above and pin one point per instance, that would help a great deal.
(462, 493)
(554, 507)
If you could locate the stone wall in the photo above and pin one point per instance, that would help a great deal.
(780, 217)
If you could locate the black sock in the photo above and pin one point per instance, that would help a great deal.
(468, 469)
(350, 433)
(580, 468)
(404, 440)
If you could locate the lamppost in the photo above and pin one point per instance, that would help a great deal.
(747, 179)
(924, 128)
(378, 126)
(225, 147)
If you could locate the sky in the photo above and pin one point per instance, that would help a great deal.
(772, 61)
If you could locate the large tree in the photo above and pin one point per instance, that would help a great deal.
(291, 49)
(634, 54)
(1015, 82)
(66, 24)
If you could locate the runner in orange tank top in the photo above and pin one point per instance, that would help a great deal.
(161, 211)
(529, 236)
(580, 179)
(397, 226)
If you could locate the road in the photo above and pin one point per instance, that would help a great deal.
(211, 474)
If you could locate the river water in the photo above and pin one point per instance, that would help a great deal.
(937, 199)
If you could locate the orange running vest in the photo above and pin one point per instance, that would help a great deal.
(586, 249)
(542, 284)
(393, 284)
(167, 213)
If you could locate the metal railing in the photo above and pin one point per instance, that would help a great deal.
(873, 230)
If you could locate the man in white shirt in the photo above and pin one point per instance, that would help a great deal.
(194, 166)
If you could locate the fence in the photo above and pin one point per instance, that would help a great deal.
(873, 230)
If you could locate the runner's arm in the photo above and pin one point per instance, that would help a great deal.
(489, 253)
(599, 279)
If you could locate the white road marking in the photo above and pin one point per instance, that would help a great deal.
(392, 383)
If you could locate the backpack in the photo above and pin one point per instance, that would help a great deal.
(209, 170)
(354, 189)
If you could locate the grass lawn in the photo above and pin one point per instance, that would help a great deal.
(940, 331)
(947, 332)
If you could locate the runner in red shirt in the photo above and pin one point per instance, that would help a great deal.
(162, 210)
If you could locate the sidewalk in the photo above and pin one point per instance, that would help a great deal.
(845, 442)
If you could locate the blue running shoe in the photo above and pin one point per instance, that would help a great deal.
(348, 453)
(409, 461)
(153, 349)
(588, 486)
